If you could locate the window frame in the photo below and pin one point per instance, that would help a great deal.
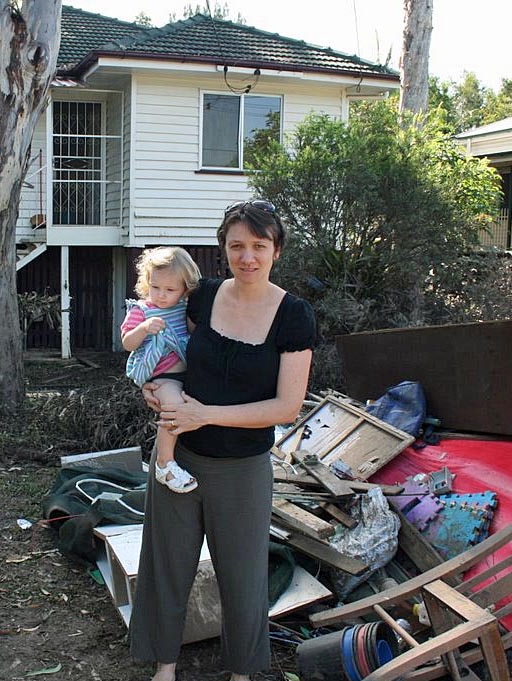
(240, 141)
(87, 180)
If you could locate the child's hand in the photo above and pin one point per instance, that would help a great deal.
(154, 325)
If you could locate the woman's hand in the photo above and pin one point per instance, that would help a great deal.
(184, 417)
(148, 393)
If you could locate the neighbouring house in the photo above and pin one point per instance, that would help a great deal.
(494, 142)
(143, 143)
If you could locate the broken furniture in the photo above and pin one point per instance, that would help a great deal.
(120, 563)
(337, 431)
(335, 436)
(469, 614)
(119, 567)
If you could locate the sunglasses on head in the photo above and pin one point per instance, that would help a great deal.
(256, 203)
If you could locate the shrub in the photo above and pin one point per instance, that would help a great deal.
(383, 221)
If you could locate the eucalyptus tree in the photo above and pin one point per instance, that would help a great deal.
(415, 55)
(29, 45)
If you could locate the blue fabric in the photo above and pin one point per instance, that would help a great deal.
(402, 406)
(141, 362)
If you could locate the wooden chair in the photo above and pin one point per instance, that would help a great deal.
(466, 614)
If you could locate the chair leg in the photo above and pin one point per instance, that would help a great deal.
(493, 653)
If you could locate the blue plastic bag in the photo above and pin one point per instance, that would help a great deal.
(403, 406)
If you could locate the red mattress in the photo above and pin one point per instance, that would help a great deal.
(478, 465)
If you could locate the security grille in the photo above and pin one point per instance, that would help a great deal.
(77, 163)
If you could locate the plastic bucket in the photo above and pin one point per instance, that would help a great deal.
(319, 659)
(343, 655)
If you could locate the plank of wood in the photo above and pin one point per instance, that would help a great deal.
(390, 490)
(415, 546)
(435, 670)
(334, 442)
(294, 442)
(452, 600)
(89, 363)
(425, 652)
(301, 479)
(338, 514)
(326, 554)
(357, 485)
(279, 532)
(286, 487)
(303, 590)
(301, 520)
(339, 488)
(455, 566)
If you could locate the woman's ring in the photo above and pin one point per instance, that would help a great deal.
(173, 423)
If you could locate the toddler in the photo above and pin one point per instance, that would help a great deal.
(155, 333)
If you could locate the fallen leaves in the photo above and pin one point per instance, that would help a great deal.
(30, 556)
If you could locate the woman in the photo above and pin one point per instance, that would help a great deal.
(248, 362)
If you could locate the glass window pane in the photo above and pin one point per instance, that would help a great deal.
(220, 131)
(262, 123)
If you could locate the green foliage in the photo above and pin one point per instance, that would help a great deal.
(143, 20)
(259, 140)
(469, 100)
(441, 102)
(498, 106)
(469, 104)
(383, 220)
(219, 12)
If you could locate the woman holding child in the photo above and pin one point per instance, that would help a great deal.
(248, 361)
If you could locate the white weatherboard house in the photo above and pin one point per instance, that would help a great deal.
(494, 142)
(143, 144)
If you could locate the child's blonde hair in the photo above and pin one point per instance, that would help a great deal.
(162, 257)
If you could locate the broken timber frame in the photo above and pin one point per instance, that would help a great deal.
(446, 606)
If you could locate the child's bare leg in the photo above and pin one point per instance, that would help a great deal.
(169, 392)
(167, 471)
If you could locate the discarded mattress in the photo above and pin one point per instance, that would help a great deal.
(476, 464)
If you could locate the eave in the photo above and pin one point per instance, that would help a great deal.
(122, 57)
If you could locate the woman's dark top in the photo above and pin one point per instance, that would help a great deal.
(223, 371)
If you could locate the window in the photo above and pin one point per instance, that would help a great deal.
(234, 127)
(77, 158)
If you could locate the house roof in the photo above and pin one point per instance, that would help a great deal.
(86, 36)
(504, 125)
(82, 32)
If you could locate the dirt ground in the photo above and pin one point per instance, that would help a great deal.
(55, 619)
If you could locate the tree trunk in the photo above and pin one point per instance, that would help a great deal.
(415, 55)
(29, 45)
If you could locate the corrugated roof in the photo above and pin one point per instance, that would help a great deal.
(201, 39)
(503, 125)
